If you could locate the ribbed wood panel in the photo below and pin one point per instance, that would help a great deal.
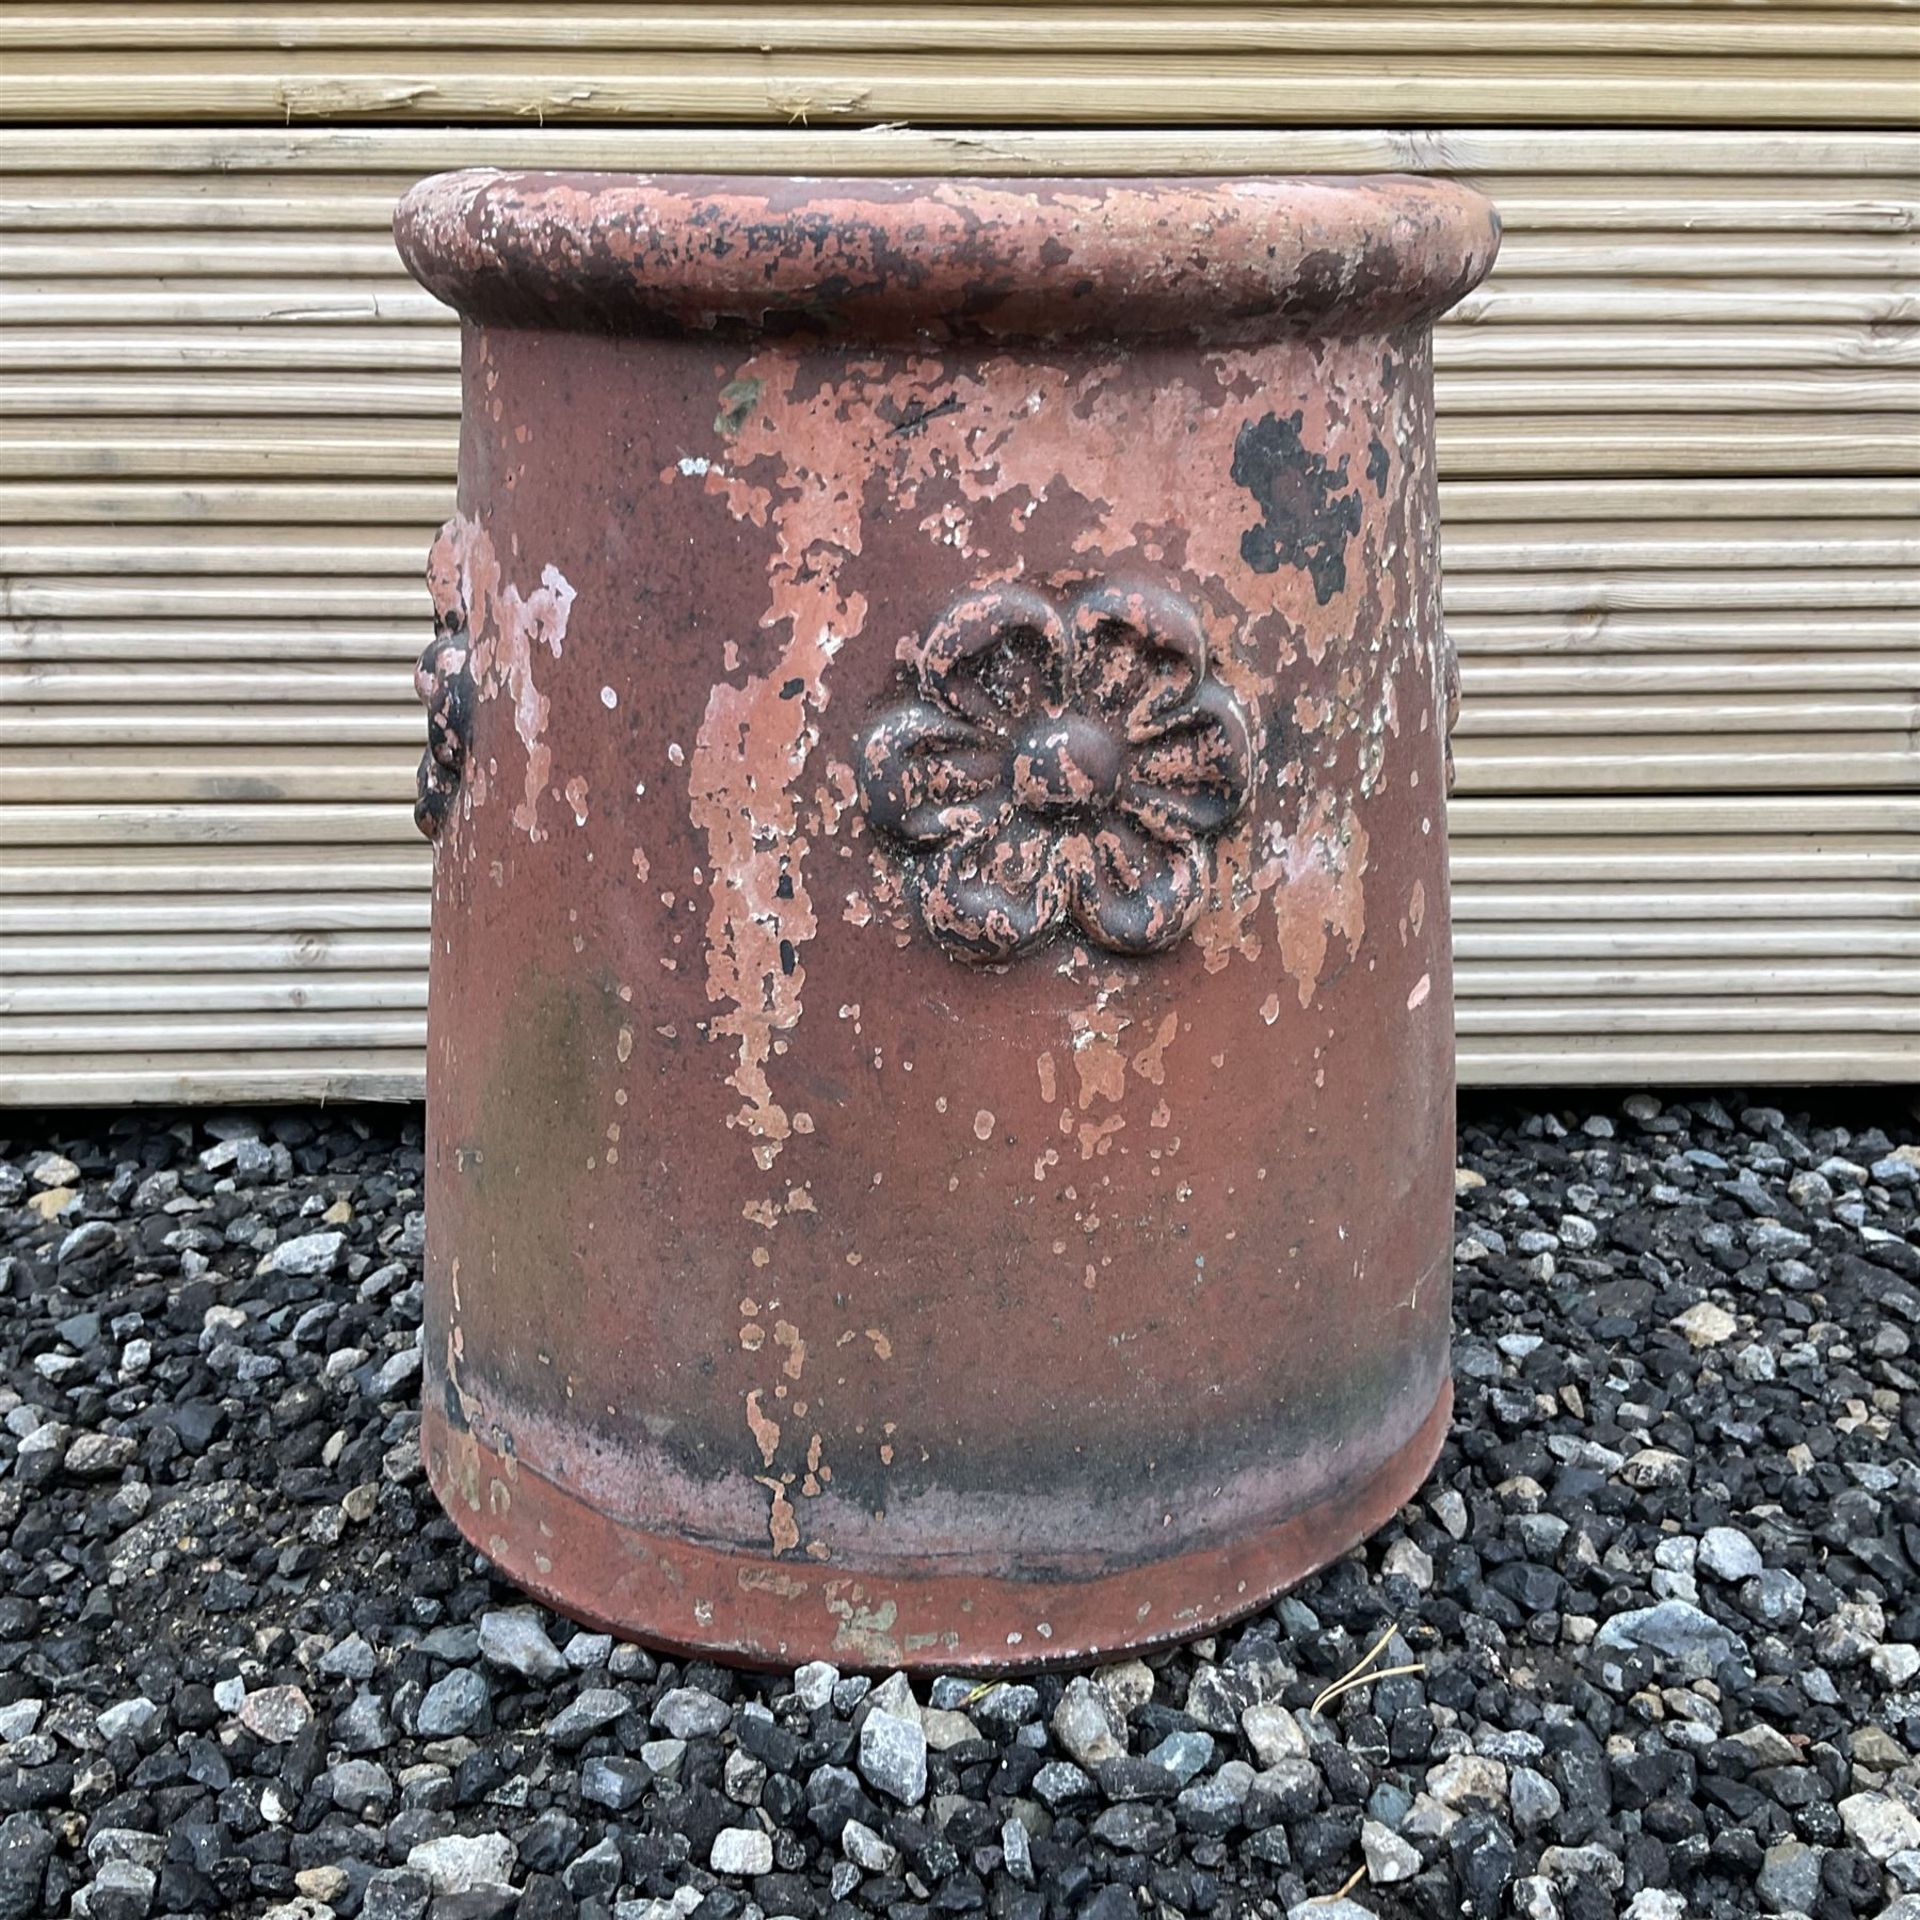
(1680, 434)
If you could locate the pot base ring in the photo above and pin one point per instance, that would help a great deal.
(690, 1599)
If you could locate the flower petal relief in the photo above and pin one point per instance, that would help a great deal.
(1056, 767)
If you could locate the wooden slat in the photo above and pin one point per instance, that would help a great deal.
(309, 950)
(213, 350)
(144, 996)
(1045, 86)
(294, 203)
(1558, 30)
(117, 502)
(1363, 146)
(1765, 546)
(243, 448)
(265, 1075)
(392, 396)
(367, 253)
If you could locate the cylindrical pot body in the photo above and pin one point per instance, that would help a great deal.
(940, 1053)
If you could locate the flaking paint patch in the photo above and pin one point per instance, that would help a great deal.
(1323, 895)
(508, 630)
(754, 743)
(764, 1428)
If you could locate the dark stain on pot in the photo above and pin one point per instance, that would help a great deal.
(1377, 465)
(1307, 517)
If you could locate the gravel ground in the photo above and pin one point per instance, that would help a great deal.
(1655, 1614)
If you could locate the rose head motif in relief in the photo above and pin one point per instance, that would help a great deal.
(1059, 768)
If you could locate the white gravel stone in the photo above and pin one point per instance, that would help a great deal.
(1728, 1554)
(1084, 1724)
(1654, 1467)
(867, 1850)
(1655, 1903)
(1389, 1858)
(1533, 1898)
(1465, 1781)
(741, 1851)
(1879, 1825)
(1410, 1562)
(309, 1257)
(1706, 1325)
(460, 1862)
(126, 1716)
(814, 1683)
(1895, 1664)
(1274, 1734)
(1127, 1686)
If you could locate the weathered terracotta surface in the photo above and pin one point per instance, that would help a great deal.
(940, 1055)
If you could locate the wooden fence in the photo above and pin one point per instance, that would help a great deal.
(1680, 445)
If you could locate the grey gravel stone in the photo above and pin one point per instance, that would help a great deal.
(1789, 1878)
(1681, 1354)
(120, 1890)
(360, 1787)
(1690, 1642)
(276, 1714)
(1534, 1799)
(893, 1756)
(584, 1715)
(689, 1713)
(455, 1703)
(396, 1893)
(614, 1781)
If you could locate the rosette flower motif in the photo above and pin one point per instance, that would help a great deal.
(1059, 767)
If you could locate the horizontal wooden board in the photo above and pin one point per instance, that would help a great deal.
(1326, 83)
(357, 30)
(294, 204)
(387, 505)
(1364, 145)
